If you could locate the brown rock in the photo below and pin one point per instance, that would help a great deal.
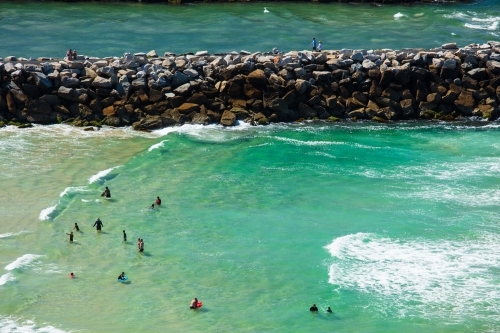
(375, 89)
(452, 94)
(197, 98)
(257, 77)
(465, 103)
(201, 119)
(306, 111)
(407, 107)
(109, 111)
(434, 98)
(252, 92)
(228, 118)
(187, 108)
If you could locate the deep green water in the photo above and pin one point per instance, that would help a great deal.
(393, 226)
(34, 28)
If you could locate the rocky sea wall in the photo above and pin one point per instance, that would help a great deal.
(149, 92)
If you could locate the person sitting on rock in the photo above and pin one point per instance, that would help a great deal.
(74, 54)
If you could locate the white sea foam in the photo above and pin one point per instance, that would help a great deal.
(6, 278)
(101, 174)
(157, 145)
(414, 277)
(22, 261)
(399, 15)
(12, 234)
(11, 325)
(74, 189)
(45, 213)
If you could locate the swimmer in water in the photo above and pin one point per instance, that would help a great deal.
(329, 310)
(158, 201)
(122, 276)
(98, 224)
(152, 206)
(76, 227)
(124, 236)
(72, 275)
(106, 193)
(194, 304)
(313, 308)
(70, 236)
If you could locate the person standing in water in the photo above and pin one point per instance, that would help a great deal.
(72, 276)
(70, 236)
(106, 193)
(314, 308)
(158, 201)
(141, 245)
(152, 206)
(76, 227)
(98, 224)
(124, 236)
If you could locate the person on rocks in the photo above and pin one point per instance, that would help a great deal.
(75, 54)
(124, 236)
(76, 227)
(106, 193)
(98, 224)
(313, 308)
(69, 55)
(70, 236)
(320, 46)
(313, 43)
(158, 201)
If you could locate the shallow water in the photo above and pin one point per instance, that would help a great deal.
(394, 227)
(110, 29)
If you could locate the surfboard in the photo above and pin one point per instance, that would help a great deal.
(125, 278)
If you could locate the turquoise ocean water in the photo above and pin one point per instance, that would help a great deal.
(393, 226)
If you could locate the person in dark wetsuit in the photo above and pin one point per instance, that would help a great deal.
(141, 245)
(152, 206)
(76, 227)
(158, 201)
(124, 236)
(70, 236)
(122, 276)
(313, 308)
(106, 193)
(329, 310)
(98, 224)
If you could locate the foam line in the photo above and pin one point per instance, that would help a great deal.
(101, 174)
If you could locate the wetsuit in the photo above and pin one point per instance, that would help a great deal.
(70, 238)
(76, 227)
(313, 308)
(98, 224)
(141, 246)
(124, 237)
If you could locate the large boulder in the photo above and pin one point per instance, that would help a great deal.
(72, 95)
(228, 118)
(257, 77)
(70, 82)
(187, 108)
(178, 79)
(493, 66)
(465, 103)
(100, 82)
(148, 123)
(42, 81)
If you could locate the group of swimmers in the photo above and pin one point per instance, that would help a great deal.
(314, 309)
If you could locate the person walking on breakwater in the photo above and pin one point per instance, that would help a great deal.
(313, 308)
(313, 43)
(320, 46)
(70, 236)
(124, 236)
(76, 227)
(106, 193)
(69, 55)
(158, 201)
(98, 224)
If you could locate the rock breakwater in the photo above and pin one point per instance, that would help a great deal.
(149, 92)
